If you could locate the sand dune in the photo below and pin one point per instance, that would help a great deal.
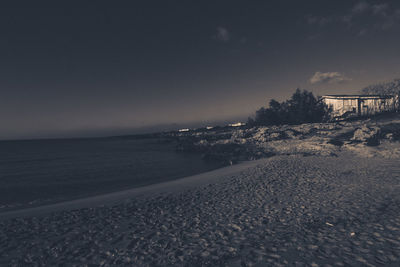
(285, 210)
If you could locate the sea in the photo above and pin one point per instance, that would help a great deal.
(37, 172)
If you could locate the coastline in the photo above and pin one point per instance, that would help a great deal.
(36, 173)
(285, 210)
(229, 145)
(108, 199)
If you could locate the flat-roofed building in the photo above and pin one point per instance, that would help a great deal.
(360, 105)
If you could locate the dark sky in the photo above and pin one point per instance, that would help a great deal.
(99, 67)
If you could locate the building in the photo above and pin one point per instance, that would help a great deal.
(360, 105)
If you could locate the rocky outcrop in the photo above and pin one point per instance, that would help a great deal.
(232, 145)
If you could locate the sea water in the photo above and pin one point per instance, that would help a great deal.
(35, 172)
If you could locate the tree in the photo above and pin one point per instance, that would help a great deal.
(388, 88)
(302, 107)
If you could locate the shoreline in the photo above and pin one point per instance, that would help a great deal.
(123, 195)
(365, 137)
(34, 178)
(287, 210)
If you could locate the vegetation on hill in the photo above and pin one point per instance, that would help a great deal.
(387, 88)
(302, 107)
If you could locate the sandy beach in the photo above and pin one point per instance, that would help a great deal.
(200, 133)
(285, 210)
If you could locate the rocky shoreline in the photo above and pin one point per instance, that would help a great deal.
(377, 136)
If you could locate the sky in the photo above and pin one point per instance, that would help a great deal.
(93, 68)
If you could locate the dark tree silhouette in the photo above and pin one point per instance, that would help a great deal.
(302, 107)
(388, 88)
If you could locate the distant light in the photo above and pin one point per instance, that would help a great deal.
(184, 130)
(209, 127)
(237, 124)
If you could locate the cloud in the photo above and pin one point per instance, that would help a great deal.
(328, 77)
(364, 7)
(223, 34)
(321, 21)
(380, 16)
(347, 19)
(311, 20)
(361, 7)
(362, 32)
(380, 9)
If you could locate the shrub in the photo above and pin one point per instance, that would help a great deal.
(302, 107)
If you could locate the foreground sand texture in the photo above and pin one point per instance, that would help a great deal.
(286, 210)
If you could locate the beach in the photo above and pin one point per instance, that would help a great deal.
(296, 210)
(200, 133)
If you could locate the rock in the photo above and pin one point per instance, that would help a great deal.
(273, 255)
(236, 227)
(231, 249)
(365, 133)
(205, 254)
(389, 136)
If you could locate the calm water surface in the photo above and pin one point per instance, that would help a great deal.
(41, 171)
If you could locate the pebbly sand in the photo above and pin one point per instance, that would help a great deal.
(286, 210)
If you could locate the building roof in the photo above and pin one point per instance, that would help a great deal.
(358, 96)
